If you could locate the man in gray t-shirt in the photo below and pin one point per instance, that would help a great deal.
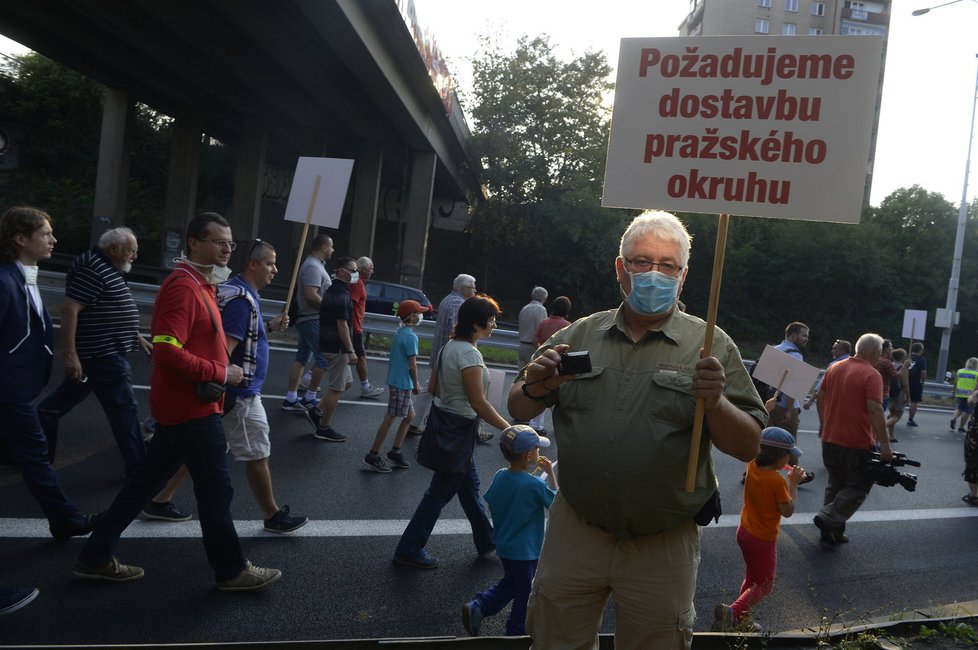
(312, 284)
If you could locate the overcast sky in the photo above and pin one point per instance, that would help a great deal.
(928, 91)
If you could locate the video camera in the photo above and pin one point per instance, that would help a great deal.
(886, 474)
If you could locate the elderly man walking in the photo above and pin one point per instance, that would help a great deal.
(99, 326)
(532, 314)
(850, 404)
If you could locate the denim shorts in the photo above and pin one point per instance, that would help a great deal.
(308, 334)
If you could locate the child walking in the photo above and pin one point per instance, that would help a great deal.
(402, 383)
(518, 502)
(768, 496)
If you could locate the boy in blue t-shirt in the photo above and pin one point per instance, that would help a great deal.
(402, 382)
(517, 501)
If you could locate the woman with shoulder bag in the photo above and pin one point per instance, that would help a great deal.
(447, 444)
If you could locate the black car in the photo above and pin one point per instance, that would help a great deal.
(384, 297)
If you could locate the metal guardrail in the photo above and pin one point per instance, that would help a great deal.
(144, 295)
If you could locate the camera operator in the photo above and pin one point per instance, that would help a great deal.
(850, 405)
(622, 523)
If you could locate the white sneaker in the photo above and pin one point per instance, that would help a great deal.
(371, 393)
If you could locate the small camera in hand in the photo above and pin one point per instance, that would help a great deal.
(574, 363)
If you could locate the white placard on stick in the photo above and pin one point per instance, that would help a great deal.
(776, 368)
(335, 180)
(914, 324)
(767, 126)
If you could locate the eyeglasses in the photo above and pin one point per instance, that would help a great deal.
(220, 243)
(642, 265)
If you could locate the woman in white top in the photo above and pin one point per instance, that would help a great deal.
(461, 386)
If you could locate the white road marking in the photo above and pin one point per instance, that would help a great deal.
(139, 529)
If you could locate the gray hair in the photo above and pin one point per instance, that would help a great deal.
(115, 236)
(868, 343)
(461, 279)
(658, 224)
(539, 294)
(971, 364)
(364, 262)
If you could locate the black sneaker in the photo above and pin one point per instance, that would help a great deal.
(13, 599)
(164, 512)
(396, 459)
(283, 522)
(807, 478)
(376, 463)
(329, 434)
(75, 526)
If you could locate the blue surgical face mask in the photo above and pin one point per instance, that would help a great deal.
(653, 293)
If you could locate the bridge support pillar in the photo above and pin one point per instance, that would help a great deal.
(366, 190)
(417, 217)
(181, 188)
(249, 176)
(112, 175)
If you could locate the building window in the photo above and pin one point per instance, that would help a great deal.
(764, 3)
(791, 5)
(818, 8)
(761, 25)
(789, 29)
(814, 31)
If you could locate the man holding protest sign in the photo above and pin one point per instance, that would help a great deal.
(625, 428)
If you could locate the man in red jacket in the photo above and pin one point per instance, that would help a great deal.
(190, 359)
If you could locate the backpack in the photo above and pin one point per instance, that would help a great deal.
(765, 391)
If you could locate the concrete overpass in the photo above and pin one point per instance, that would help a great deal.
(273, 80)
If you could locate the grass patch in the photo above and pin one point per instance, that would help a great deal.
(380, 343)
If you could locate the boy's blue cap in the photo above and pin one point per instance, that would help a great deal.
(520, 438)
(778, 437)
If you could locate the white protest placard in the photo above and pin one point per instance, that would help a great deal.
(776, 368)
(765, 126)
(498, 390)
(914, 324)
(334, 175)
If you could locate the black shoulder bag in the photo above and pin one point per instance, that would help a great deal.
(448, 440)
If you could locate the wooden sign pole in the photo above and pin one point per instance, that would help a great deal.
(302, 244)
(711, 320)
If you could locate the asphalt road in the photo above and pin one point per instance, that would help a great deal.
(908, 550)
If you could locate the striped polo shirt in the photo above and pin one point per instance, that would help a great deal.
(109, 321)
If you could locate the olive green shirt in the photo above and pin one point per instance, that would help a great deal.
(624, 429)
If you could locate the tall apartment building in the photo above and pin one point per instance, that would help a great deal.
(795, 17)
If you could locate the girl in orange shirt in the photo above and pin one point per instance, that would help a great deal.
(768, 496)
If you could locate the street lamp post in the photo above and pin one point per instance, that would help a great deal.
(952, 285)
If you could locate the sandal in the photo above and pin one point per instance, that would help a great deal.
(970, 500)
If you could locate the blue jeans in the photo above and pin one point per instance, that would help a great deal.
(443, 488)
(21, 432)
(515, 586)
(308, 334)
(110, 378)
(200, 444)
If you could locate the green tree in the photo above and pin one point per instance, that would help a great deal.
(540, 131)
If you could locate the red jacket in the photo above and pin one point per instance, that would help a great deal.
(188, 347)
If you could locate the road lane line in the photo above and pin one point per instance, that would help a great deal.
(38, 528)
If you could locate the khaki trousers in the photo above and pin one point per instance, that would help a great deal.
(652, 577)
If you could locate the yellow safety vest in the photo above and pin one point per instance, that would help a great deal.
(966, 383)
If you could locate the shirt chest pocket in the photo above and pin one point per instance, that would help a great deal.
(583, 393)
(672, 398)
